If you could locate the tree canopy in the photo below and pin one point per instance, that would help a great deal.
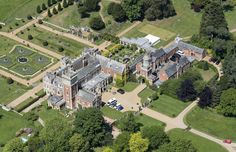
(178, 146)
(137, 143)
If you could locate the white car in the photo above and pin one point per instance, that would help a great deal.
(180, 52)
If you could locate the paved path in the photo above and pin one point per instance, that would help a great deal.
(41, 122)
(68, 35)
(25, 96)
(100, 12)
(14, 77)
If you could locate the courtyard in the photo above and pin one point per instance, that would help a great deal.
(24, 61)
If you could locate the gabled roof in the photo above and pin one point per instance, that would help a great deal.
(183, 45)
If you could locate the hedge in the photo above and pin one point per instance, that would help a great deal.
(26, 104)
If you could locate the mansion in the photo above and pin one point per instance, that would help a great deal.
(80, 82)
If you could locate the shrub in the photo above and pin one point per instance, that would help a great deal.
(54, 11)
(60, 49)
(10, 81)
(26, 103)
(40, 21)
(16, 24)
(96, 23)
(45, 43)
(30, 37)
(31, 116)
(0, 26)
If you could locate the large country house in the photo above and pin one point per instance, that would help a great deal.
(79, 82)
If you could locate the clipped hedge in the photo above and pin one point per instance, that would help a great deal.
(26, 104)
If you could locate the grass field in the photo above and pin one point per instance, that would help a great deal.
(6, 45)
(9, 92)
(10, 124)
(71, 47)
(206, 75)
(145, 94)
(130, 86)
(111, 113)
(168, 105)
(212, 123)
(34, 61)
(202, 144)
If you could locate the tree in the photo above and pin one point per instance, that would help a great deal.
(54, 1)
(70, 2)
(227, 104)
(121, 143)
(49, 13)
(178, 146)
(10, 80)
(82, 11)
(213, 17)
(97, 23)
(229, 69)
(54, 11)
(65, 3)
(91, 5)
(116, 10)
(90, 124)
(186, 91)
(156, 136)
(59, 7)
(39, 9)
(119, 82)
(78, 144)
(132, 8)
(49, 3)
(137, 143)
(128, 123)
(30, 37)
(14, 145)
(55, 135)
(107, 149)
(34, 144)
(44, 7)
(205, 97)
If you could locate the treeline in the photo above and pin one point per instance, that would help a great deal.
(89, 131)
(198, 5)
(139, 9)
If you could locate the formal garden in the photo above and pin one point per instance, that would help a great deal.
(24, 61)
(123, 54)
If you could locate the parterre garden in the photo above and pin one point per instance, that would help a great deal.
(24, 61)
(53, 41)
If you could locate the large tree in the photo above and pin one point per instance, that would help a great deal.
(128, 123)
(205, 97)
(187, 91)
(213, 20)
(14, 145)
(229, 69)
(90, 124)
(91, 5)
(55, 135)
(116, 10)
(132, 8)
(137, 143)
(156, 136)
(227, 104)
(78, 144)
(121, 143)
(96, 23)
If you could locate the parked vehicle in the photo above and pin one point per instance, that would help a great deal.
(119, 108)
(217, 62)
(121, 91)
(227, 141)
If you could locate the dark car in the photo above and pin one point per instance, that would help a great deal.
(217, 62)
(121, 91)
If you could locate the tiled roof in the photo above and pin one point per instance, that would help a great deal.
(86, 95)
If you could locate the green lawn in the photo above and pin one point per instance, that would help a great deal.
(111, 113)
(212, 123)
(10, 124)
(145, 120)
(202, 144)
(71, 47)
(130, 86)
(206, 75)
(6, 45)
(168, 105)
(145, 94)
(10, 92)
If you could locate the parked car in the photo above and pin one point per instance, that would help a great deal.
(180, 52)
(119, 108)
(121, 91)
(227, 141)
(217, 62)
